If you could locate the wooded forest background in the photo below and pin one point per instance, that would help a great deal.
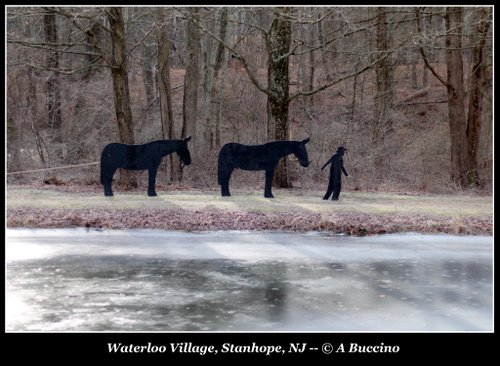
(408, 91)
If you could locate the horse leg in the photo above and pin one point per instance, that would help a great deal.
(152, 181)
(224, 183)
(107, 180)
(269, 182)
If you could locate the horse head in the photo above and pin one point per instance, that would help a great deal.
(301, 152)
(183, 151)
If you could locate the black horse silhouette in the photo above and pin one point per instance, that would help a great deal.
(140, 157)
(257, 157)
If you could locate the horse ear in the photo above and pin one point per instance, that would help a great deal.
(306, 140)
(187, 139)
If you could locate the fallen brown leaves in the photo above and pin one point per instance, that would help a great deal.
(203, 220)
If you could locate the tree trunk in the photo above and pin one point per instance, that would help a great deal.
(414, 64)
(425, 77)
(221, 65)
(210, 54)
(385, 76)
(485, 158)
(31, 101)
(354, 92)
(121, 91)
(460, 162)
(93, 35)
(164, 86)
(191, 79)
(311, 66)
(476, 92)
(324, 59)
(278, 47)
(427, 25)
(224, 17)
(215, 55)
(53, 88)
(148, 74)
(13, 138)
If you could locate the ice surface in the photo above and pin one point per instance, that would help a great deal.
(147, 280)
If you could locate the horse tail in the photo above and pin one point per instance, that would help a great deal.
(222, 163)
(102, 172)
(104, 164)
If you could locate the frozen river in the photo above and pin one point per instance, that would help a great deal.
(145, 280)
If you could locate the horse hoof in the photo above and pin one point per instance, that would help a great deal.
(226, 195)
(152, 194)
(271, 196)
(108, 194)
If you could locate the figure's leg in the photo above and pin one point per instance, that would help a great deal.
(108, 180)
(224, 180)
(269, 183)
(339, 190)
(336, 192)
(329, 190)
(152, 181)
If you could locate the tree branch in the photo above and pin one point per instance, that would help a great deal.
(247, 25)
(86, 30)
(348, 76)
(69, 71)
(298, 20)
(47, 46)
(424, 57)
(418, 103)
(140, 41)
(250, 73)
(321, 47)
(74, 17)
(290, 53)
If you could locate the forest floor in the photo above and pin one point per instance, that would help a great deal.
(356, 213)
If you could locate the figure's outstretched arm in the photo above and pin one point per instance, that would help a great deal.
(345, 171)
(328, 162)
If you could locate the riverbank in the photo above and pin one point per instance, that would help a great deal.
(294, 211)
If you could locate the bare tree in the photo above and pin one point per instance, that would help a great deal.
(93, 37)
(148, 72)
(191, 79)
(384, 80)
(278, 42)
(31, 99)
(464, 129)
(210, 53)
(53, 88)
(460, 162)
(324, 58)
(224, 16)
(221, 65)
(476, 91)
(165, 96)
(119, 75)
(215, 56)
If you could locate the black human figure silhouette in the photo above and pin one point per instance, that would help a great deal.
(257, 157)
(140, 157)
(335, 181)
